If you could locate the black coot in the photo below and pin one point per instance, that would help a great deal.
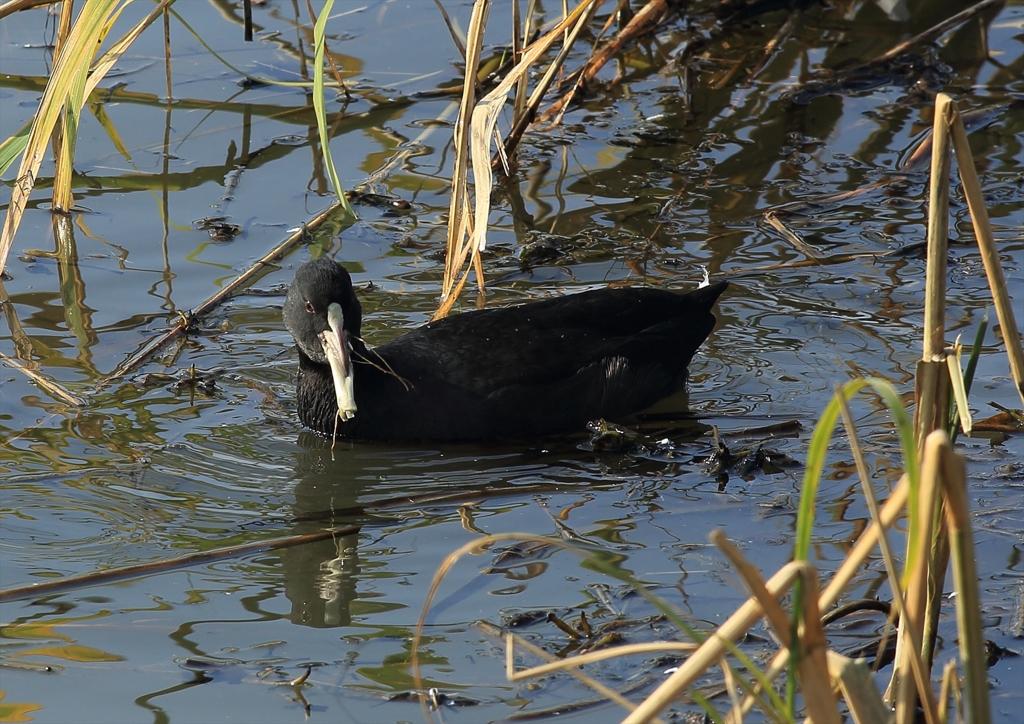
(521, 371)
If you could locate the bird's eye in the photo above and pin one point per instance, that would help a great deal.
(309, 307)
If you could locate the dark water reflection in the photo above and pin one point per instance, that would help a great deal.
(670, 170)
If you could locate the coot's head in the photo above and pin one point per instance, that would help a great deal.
(323, 315)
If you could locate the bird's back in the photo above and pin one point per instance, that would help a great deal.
(533, 369)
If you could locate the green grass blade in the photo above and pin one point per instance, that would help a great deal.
(13, 146)
(318, 105)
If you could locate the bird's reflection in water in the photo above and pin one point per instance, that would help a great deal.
(321, 577)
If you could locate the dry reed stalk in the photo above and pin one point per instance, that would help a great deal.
(64, 136)
(52, 387)
(732, 685)
(458, 220)
(932, 387)
(919, 618)
(14, 6)
(815, 686)
(96, 578)
(751, 576)
(485, 116)
(965, 581)
(455, 35)
(467, 235)
(524, 117)
(910, 682)
(714, 647)
(472, 547)
(987, 247)
(68, 87)
(791, 236)
(950, 686)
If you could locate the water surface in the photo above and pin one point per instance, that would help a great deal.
(666, 170)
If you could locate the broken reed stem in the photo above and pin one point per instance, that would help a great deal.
(938, 235)
(950, 681)
(713, 648)
(773, 220)
(890, 512)
(495, 632)
(610, 694)
(467, 231)
(858, 689)
(526, 117)
(813, 667)
(987, 247)
(815, 687)
(474, 546)
(96, 578)
(919, 618)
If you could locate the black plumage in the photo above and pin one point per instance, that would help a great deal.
(522, 371)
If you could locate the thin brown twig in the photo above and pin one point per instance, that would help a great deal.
(330, 58)
(386, 368)
(934, 31)
(529, 114)
(254, 272)
(459, 45)
(52, 387)
(645, 21)
(819, 261)
(782, 34)
(791, 236)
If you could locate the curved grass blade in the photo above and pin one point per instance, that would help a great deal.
(818, 449)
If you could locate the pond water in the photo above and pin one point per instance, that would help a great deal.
(666, 170)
